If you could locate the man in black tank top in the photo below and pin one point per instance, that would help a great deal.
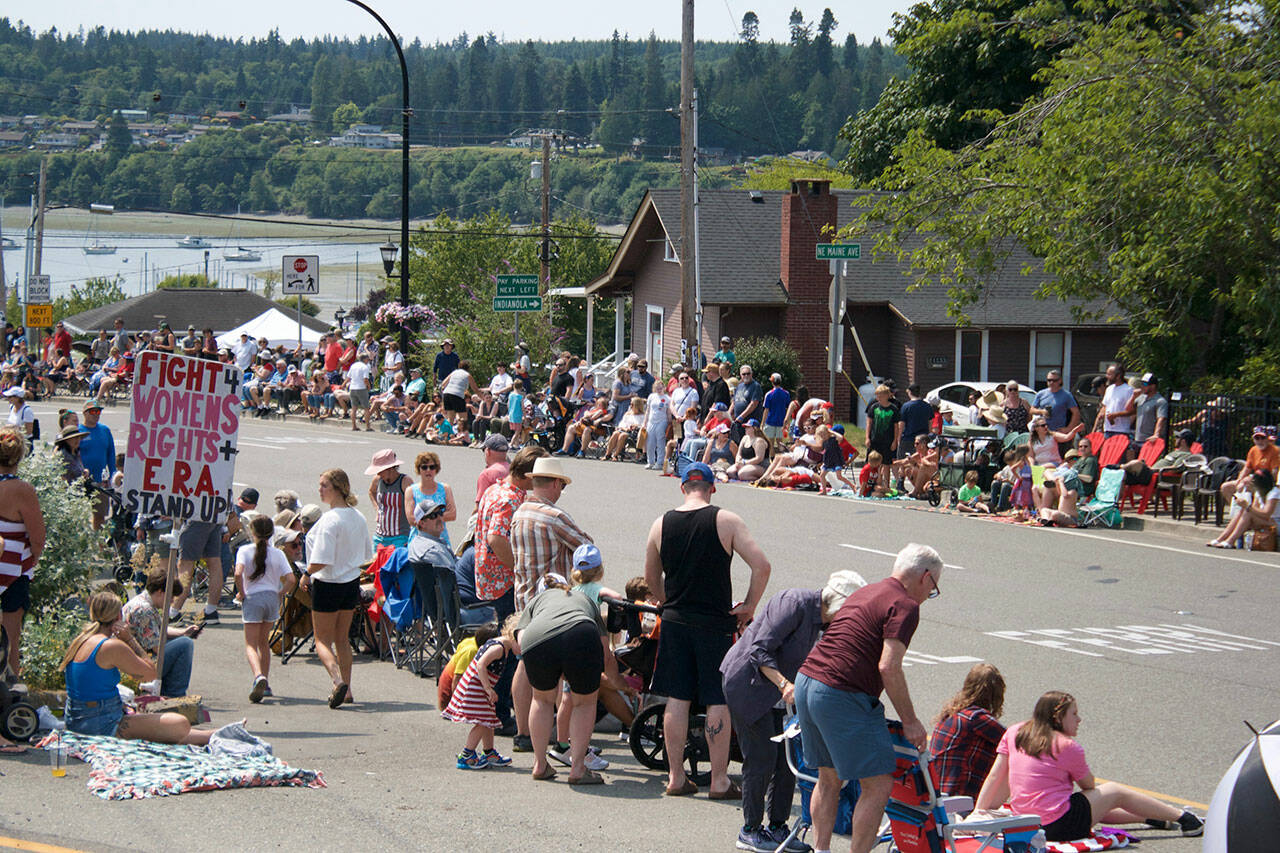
(686, 566)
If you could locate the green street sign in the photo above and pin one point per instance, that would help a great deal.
(518, 285)
(839, 251)
(517, 303)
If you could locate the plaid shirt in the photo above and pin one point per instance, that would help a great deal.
(543, 537)
(497, 508)
(962, 750)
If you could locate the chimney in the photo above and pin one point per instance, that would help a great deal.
(809, 218)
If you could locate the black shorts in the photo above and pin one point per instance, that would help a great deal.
(453, 403)
(1074, 824)
(576, 655)
(688, 664)
(883, 447)
(16, 596)
(329, 597)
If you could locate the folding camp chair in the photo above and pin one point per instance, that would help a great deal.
(1102, 509)
(292, 630)
(1209, 488)
(1096, 439)
(1152, 449)
(920, 821)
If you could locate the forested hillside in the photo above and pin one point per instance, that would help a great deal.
(755, 98)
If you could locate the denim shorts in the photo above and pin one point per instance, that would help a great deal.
(262, 606)
(843, 730)
(101, 719)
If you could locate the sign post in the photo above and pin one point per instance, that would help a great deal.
(517, 293)
(300, 275)
(839, 255)
(179, 462)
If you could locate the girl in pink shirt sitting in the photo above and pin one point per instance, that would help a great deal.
(1038, 766)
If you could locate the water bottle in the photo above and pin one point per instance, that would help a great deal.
(1248, 541)
(1038, 843)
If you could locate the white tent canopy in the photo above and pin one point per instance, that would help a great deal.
(274, 325)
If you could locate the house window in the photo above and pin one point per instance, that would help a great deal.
(653, 337)
(669, 251)
(1049, 349)
(971, 355)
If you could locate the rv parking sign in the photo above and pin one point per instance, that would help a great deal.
(300, 274)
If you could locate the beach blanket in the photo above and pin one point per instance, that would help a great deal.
(138, 769)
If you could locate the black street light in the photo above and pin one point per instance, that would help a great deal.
(338, 316)
(388, 250)
(389, 261)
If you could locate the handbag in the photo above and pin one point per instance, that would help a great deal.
(1264, 539)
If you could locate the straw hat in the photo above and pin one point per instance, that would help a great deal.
(989, 399)
(549, 466)
(69, 433)
(994, 414)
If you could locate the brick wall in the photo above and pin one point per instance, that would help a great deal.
(806, 211)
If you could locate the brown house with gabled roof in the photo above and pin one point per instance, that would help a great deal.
(759, 276)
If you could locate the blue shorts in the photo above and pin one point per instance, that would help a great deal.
(842, 730)
(394, 541)
(94, 718)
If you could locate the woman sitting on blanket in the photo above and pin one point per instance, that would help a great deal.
(92, 665)
(798, 466)
(1038, 766)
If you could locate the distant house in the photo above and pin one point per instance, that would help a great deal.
(760, 276)
(7, 122)
(12, 138)
(232, 117)
(366, 136)
(821, 158)
(89, 127)
(57, 141)
(296, 115)
(132, 115)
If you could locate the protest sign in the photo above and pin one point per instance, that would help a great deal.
(183, 425)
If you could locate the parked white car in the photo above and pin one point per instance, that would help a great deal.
(954, 397)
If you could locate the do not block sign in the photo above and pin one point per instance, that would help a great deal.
(183, 426)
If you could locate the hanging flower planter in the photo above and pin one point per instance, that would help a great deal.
(411, 317)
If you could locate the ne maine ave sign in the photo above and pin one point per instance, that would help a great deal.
(839, 251)
(517, 293)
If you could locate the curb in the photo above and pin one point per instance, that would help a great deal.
(1169, 527)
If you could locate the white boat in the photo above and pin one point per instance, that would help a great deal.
(97, 248)
(7, 243)
(193, 242)
(242, 254)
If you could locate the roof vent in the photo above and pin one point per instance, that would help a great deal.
(757, 197)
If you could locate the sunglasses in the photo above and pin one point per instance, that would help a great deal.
(434, 515)
(428, 467)
(936, 590)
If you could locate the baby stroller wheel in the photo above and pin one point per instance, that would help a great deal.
(935, 496)
(123, 573)
(20, 721)
(646, 739)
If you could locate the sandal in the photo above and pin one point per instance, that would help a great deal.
(588, 777)
(546, 775)
(688, 789)
(338, 695)
(733, 792)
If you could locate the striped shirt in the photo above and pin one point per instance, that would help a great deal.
(16, 552)
(543, 538)
(392, 520)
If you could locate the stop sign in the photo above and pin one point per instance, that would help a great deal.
(300, 264)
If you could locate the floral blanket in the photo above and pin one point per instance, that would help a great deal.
(136, 769)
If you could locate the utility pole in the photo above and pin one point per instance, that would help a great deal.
(33, 337)
(545, 255)
(688, 251)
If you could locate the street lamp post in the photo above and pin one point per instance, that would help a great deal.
(406, 112)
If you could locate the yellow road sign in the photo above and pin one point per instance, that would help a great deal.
(40, 315)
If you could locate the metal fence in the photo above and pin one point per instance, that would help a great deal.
(1223, 424)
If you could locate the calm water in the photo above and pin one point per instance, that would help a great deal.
(143, 260)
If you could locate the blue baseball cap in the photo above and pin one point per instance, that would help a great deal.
(697, 473)
(838, 428)
(752, 422)
(587, 556)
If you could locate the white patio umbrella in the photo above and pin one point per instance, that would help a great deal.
(1244, 815)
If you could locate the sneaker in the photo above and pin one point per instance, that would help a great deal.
(266, 691)
(1156, 823)
(779, 834)
(468, 760)
(1190, 824)
(559, 753)
(522, 743)
(757, 839)
(259, 690)
(176, 620)
(209, 618)
(496, 759)
(595, 762)
(508, 730)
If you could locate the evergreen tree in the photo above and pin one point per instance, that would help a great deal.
(529, 82)
(823, 46)
(576, 101)
(851, 61)
(658, 128)
(322, 91)
(119, 139)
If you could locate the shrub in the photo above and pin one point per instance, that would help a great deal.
(45, 638)
(72, 551)
(767, 356)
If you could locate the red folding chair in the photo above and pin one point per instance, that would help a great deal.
(1095, 440)
(1152, 449)
(1112, 450)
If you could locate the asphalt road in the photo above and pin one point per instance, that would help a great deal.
(1167, 646)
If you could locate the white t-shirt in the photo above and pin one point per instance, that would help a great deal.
(340, 542)
(277, 569)
(359, 374)
(392, 361)
(1275, 513)
(658, 411)
(21, 416)
(1116, 399)
(500, 383)
(246, 352)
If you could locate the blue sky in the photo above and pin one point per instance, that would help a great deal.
(509, 19)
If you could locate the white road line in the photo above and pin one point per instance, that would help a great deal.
(890, 554)
(1212, 553)
(242, 443)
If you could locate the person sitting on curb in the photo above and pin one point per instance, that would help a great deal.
(142, 620)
